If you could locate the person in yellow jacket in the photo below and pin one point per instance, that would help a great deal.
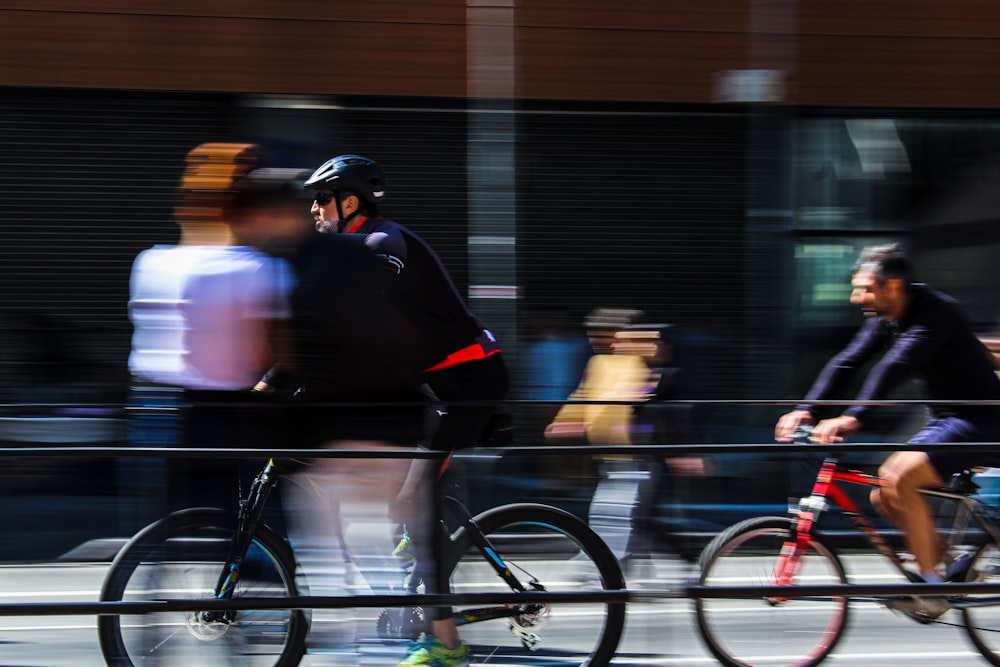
(607, 377)
(631, 370)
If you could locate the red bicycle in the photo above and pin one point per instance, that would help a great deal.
(801, 631)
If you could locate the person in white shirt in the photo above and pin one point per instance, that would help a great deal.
(204, 315)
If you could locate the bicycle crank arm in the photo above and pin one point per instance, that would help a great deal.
(467, 616)
(991, 601)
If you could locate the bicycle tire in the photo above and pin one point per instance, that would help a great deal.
(181, 557)
(554, 551)
(982, 624)
(793, 632)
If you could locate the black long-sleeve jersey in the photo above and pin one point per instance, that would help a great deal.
(932, 343)
(442, 326)
(348, 341)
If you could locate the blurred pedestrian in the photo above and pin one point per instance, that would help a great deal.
(606, 377)
(459, 361)
(204, 314)
(634, 373)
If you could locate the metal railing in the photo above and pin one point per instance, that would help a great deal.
(627, 595)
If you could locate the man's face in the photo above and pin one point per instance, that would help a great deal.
(886, 299)
(324, 210)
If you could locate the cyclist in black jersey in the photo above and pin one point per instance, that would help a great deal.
(919, 333)
(344, 341)
(459, 359)
(345, 345)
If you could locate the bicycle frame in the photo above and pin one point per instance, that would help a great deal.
(252, 507)
(784, 552)
(826, 491)
(500, 568)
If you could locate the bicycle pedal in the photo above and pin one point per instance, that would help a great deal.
(530, 640)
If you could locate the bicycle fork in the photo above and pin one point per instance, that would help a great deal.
(248, 518)
(804, 514)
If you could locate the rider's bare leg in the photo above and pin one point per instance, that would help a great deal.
(903, 475)
(447, 631)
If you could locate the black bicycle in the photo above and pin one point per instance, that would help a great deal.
(219, 555)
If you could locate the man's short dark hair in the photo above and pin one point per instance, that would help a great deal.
(886, 262)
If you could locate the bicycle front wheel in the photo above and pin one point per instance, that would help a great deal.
(982, 623)
(768, 631)
(547, 549)
(181, 557)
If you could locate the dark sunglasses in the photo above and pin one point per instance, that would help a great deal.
(323, 198)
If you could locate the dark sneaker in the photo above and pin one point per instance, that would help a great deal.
(922, 609)
(959, 569)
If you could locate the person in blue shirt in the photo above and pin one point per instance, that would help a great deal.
(921, 334)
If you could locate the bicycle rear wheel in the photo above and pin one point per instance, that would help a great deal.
(547, 549)
(181, 557)
(983, 623)
(771, 632)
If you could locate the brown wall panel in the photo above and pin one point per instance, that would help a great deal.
(226, 54)
(624, 65)
(852, 53)
(390, 11)
(706, 16)
(901, 72)
(932, 18)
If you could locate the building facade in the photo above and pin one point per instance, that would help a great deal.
(716, 165)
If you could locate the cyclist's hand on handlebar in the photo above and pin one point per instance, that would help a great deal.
(789, 423)
(834, 430)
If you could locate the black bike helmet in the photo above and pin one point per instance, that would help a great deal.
(350, 173)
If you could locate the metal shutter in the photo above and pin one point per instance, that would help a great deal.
(86, 183)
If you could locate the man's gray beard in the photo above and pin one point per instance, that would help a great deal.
(326, 226)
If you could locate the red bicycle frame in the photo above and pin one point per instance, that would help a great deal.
(825, 493)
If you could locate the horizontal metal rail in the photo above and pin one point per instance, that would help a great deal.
(543, 450)
(311, 602)
(90, 408)
(842, 590)
(484, 599)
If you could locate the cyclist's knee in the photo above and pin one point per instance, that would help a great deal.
(876, 500)
(904, 467)
(905, 473)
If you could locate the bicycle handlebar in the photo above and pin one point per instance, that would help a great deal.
(803, 436)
